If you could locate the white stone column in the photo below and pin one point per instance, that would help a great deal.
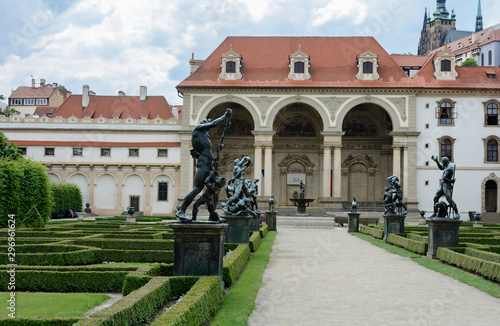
(257, 167)
(327, 167)
(405, 171)
(337, 172)
(396, 161)
(268, 170)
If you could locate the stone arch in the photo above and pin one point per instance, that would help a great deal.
(106, 173)
(396, 116)
(134, 185)
(491, 177)
(105, 192)
(359, 175)
(319, 107)
(132, 174)
(83, 182)
(207, 107)
(54, 177)
(162, 207)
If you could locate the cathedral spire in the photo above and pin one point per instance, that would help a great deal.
(425, 20)
(479, 17)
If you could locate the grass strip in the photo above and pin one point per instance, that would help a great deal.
(239, 303)
(482, 285)
(51, 305)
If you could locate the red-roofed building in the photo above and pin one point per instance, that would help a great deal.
(342, 115)
(120, 150)
(26, 99)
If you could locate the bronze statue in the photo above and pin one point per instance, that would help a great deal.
(210, 198)
(302, 187)
(446, 187)
(242, 197)
(271, 203)
(354, 205)
(202, 151)
(388, 201)
(398, 193)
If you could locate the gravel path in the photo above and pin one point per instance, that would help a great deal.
(328, 277)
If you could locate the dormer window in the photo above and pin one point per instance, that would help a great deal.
(232, 65)
(368, 66)
(299, 66)
(444, 66)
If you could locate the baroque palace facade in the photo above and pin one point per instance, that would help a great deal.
(340, 114)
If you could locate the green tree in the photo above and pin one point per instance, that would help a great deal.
(8, 150)
(9, 111)
(469, 62)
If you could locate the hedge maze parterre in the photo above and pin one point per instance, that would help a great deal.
(72, 258)
(478, 251)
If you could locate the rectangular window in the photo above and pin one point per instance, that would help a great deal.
(77, 151)
(230, 67)
(41, 101)
(105, 151)
(16, 101)
(163, 191)
(446, 65)
(23, 151)
(29, 101)
(49, 151)
(133, 152)
(298, 67)
(162, 152)
(368, 67)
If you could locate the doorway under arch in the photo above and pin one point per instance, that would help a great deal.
(491, 193)
(366, 153)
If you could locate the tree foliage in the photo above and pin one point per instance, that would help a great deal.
(8, 150)
(66, 196)
(9, 111)
(469, 62)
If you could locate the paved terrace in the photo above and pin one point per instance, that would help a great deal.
(325, 276)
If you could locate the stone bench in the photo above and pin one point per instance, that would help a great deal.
(364, 220)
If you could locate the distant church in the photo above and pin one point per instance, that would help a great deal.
(440, 28)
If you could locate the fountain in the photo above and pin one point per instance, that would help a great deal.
(301, 203)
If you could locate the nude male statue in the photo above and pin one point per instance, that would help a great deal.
(202, 151)
(446, 188)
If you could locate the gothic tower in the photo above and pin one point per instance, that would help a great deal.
(479, 18)
(436, 28)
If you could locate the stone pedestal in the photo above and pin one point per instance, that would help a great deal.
(238, 230)
(198, 248)
(255, 222)
(393, 224)
(442, 233)
(353, 221)
(131, 219)
(271, 220)
(301, 204)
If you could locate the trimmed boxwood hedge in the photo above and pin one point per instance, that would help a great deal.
(264, 229)
(152, 244)
(234, 263)
(38, 321)
(135, 256)
(196, 307)
(372, 231)
(71, 281)
(254, 241)
(457, 257)
(52, 255)
(401, 240)
(483, 254)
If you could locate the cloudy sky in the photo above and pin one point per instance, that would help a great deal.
(116, 45)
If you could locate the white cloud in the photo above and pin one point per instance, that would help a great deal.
(355, 9)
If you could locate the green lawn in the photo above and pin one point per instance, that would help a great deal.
(239, 303)
(47, 305)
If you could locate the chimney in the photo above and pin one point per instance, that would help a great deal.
(121, 93)
(32, 82)
(85, 96)
(143, 93)
(42, 82)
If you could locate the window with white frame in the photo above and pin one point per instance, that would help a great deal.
(29, 101)
(41, 101)
(299, 66)
(16, 101)
(232, 65)
(367, 66)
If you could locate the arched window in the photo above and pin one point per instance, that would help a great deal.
(445, 65)
(298, 67)
(492, 114)
(490, 58)
(482, 59)
(445, 114)
(368, 67)
(492, 150)
(446, 148)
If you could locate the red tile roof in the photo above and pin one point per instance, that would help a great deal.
(93, 143)
(266, 59)
(32, 92)
(468, 77)
(111, 106)
(409, 60)
(44, 110)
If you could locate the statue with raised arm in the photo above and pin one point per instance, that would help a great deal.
(446, 187)
(202, 151)
(398, 194)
